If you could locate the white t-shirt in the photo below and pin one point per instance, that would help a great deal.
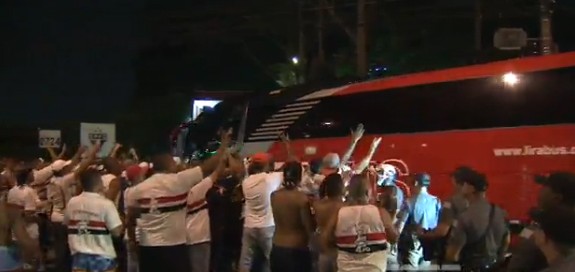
(257, 190)
(198, 219)
(23, 197)
(90, 217)
(60, 192)
(162, 201)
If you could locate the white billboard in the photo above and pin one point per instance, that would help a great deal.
(49, 138)
(90, 133)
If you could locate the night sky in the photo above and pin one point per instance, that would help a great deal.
(66, 59)
(75, 60)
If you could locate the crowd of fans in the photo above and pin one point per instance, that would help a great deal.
(229, 213)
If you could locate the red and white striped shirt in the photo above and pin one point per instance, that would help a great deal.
(162, 199)
(197, 219)
(360, 230)
(90, 217)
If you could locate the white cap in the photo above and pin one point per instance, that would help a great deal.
(58, 165)
(331, 161)
(144, 164)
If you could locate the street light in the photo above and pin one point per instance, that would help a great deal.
(295, 60)
(510, 79)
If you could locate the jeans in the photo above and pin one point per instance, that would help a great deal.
(285, 259)
(63, 261)
(164, 258)
(199, 257)
(256, 249)
(131, 259)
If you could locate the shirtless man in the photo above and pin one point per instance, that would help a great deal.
(11, 222)
(294, 224)
(324, 210)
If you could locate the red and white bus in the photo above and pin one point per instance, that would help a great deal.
(508, 119)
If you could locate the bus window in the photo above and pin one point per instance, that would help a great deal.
(539, 98)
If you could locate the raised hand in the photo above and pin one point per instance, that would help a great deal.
(375, 143)
(226, 138)
(358, 133)
(284, 137)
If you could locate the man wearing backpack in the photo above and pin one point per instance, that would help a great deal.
(479, 236)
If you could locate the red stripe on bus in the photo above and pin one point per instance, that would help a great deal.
(499, 68)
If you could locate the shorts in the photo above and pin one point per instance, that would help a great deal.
(92, 263)
(9, 259)
(285, 259)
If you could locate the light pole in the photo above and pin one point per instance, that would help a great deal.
(295, 62)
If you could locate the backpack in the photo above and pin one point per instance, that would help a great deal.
(477, 254)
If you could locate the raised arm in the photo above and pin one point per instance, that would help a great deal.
(90, 156)
(355, 137)
(365, 162)
(286, 143)
(114, 150)
(134, 154)
(210, 164)
(52, 153)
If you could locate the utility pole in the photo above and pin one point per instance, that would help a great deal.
(320, 28)
(478, 25)
(545, 24)
(300, 77)
(361, 45)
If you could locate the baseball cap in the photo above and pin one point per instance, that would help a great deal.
(556, 222)
(562, 183)
(134, 171)
(331, 160)
(423, 179)
(261, 158)
(58, 165)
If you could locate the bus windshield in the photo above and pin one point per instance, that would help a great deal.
(202, 133)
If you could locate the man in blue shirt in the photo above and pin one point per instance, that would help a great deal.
(421, 211)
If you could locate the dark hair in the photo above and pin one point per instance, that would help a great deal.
(292, 174)
(89, 179)
(333, 185)
(315, 166)
(479, 182)
(462, 173)
(160, 162)
(357, 187)
(112, 166)
(23, 176)
(256, 168)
